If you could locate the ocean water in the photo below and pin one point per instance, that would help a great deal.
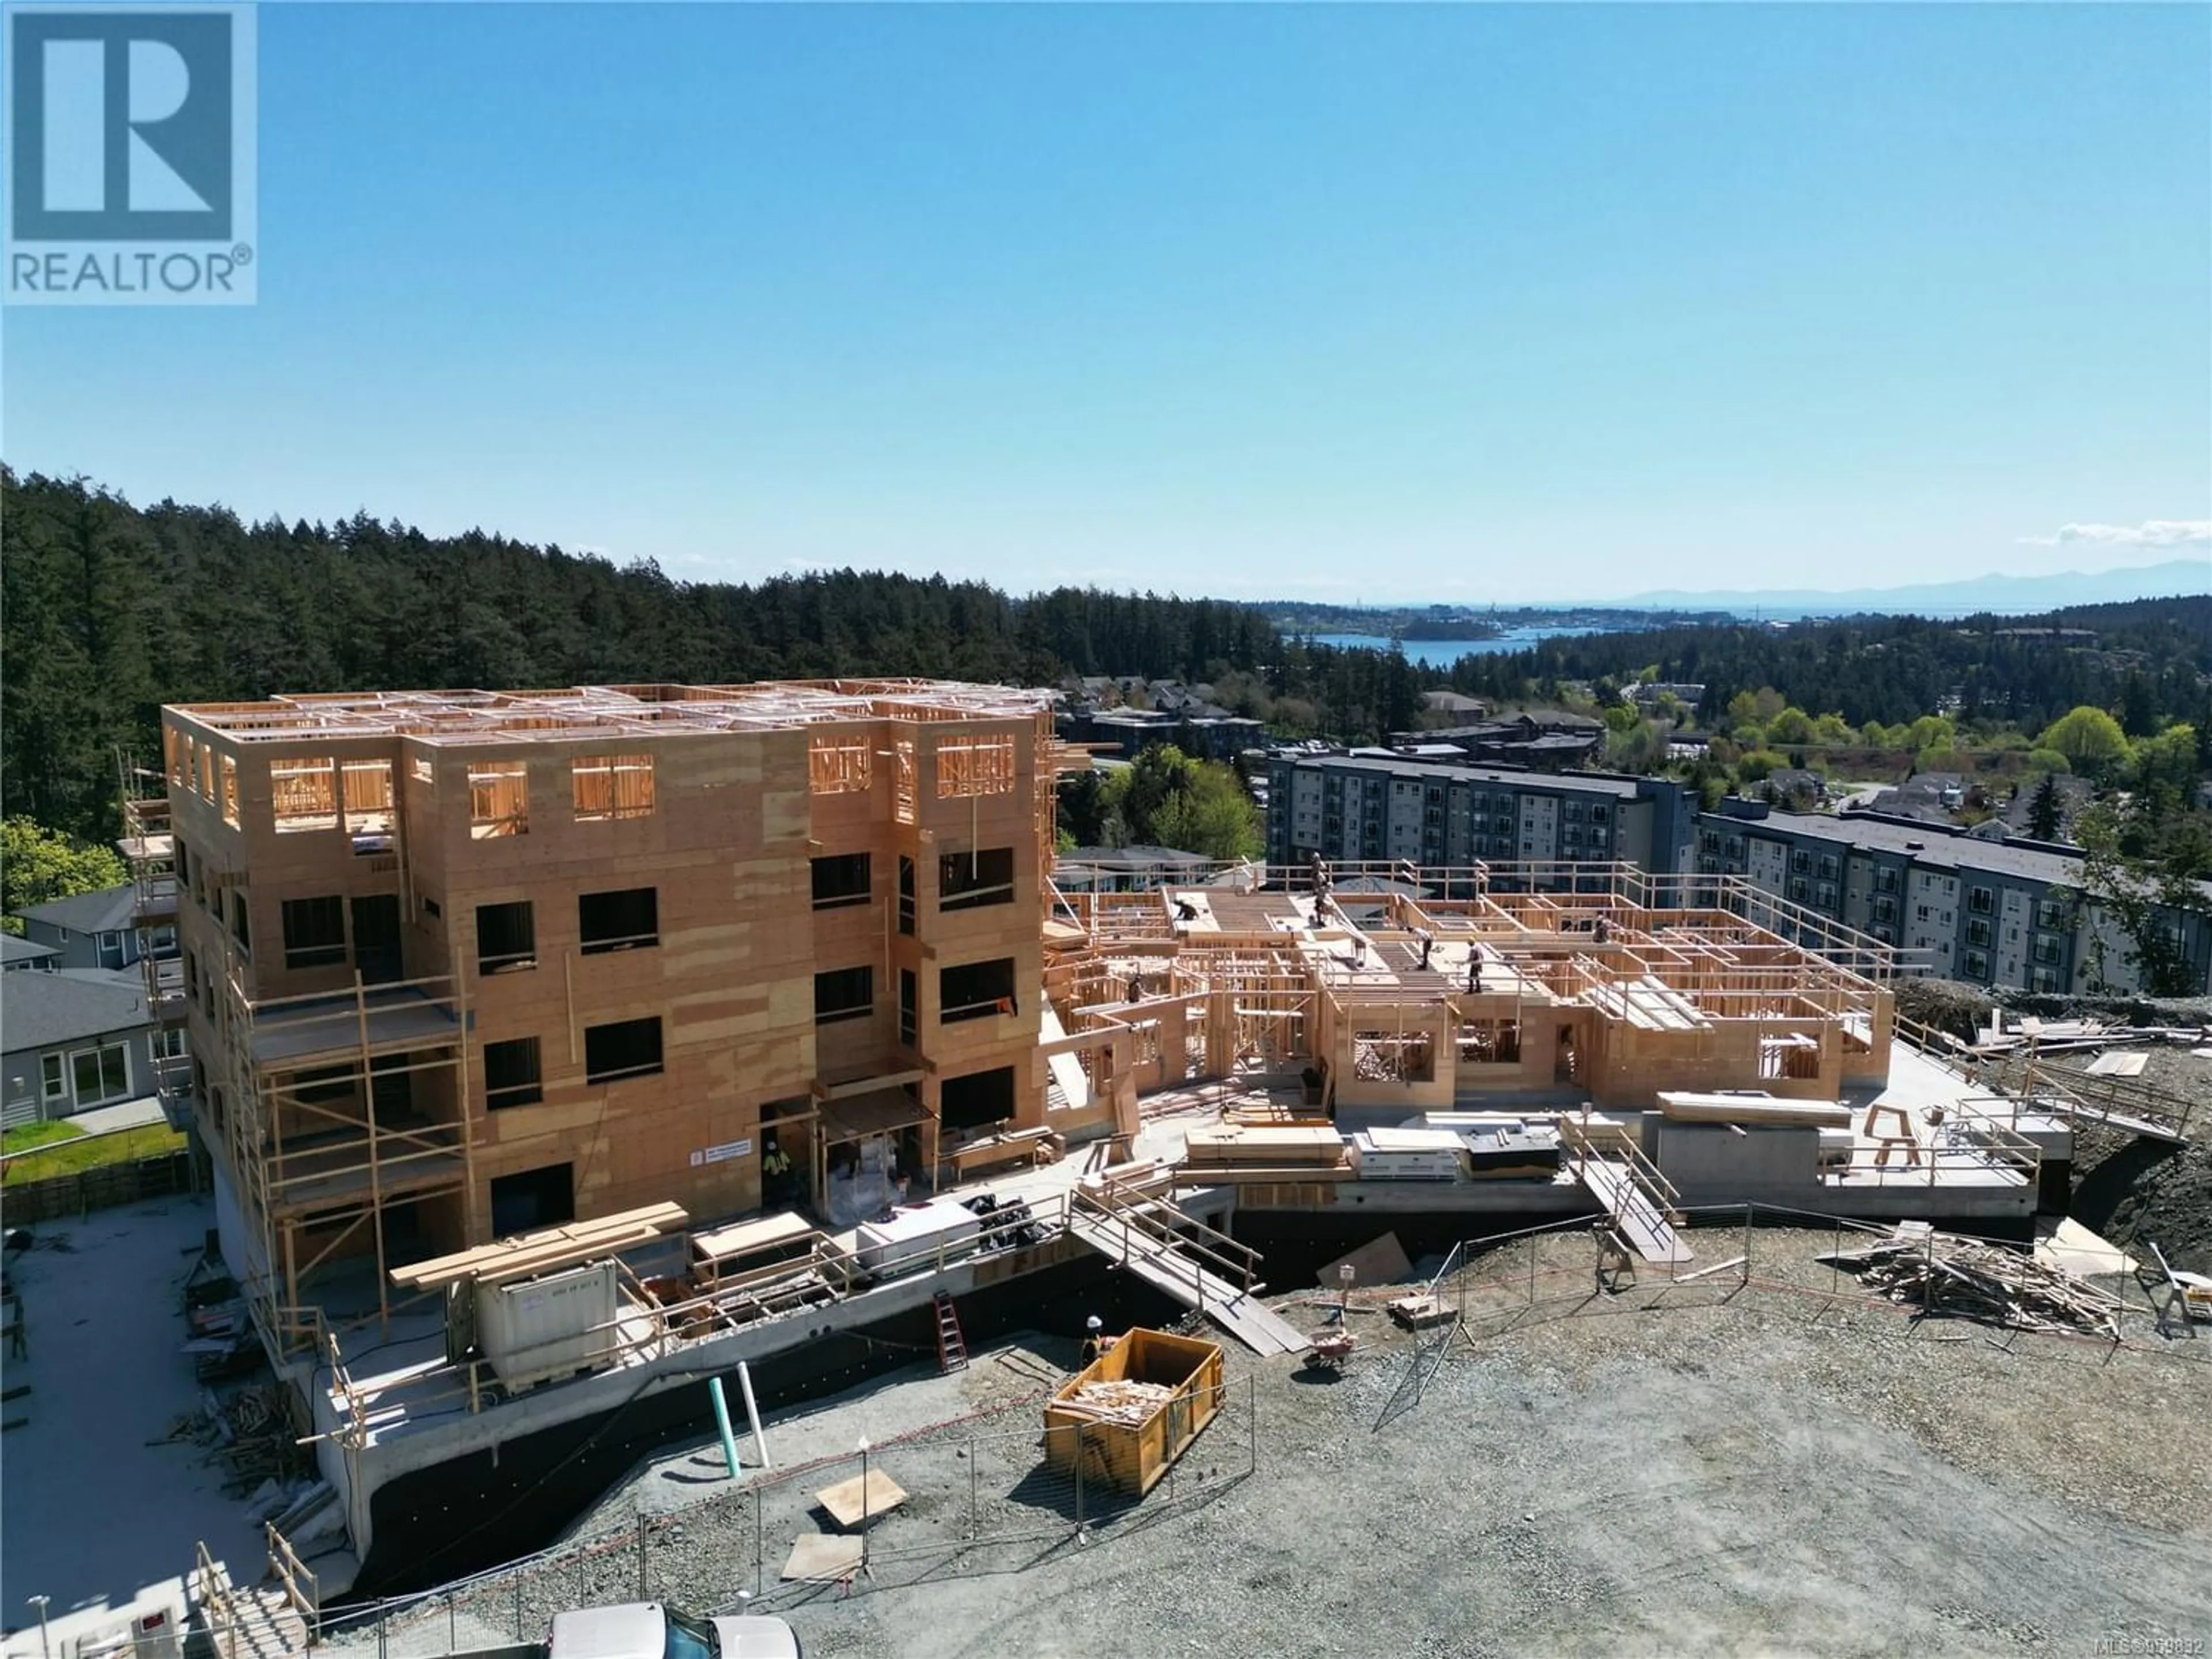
(1442, 654)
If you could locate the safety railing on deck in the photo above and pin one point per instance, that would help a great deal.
(647, 1328)
(215, 1601)
(1187, 1241)
(2083, 1096)
(1939, 1046)
(1650, 1191)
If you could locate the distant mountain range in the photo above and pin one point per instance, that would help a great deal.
(2002, 595)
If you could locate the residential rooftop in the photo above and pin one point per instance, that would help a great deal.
(107, 910)
(1405, 766)
(1938, 846)
(39, 1011)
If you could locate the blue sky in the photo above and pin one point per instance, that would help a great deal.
(1458, 304)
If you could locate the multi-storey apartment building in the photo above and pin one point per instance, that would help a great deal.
(1365, 807)
(1991, 912)
(461, 964)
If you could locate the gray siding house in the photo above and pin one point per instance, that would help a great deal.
(92, 930)
(72, 1040)
(20, 955)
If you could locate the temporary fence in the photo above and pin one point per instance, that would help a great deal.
(104, 1187)
(970, 1496)
(1496, 1284)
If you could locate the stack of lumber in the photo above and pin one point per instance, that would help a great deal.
(249, 1432)
(524, 1255)
(1262, 1111)
(1512, 1154)
(1233, 1151)
(1754, 1111)
(1115, 1402)
(1966, 1278)
(2055, 1036)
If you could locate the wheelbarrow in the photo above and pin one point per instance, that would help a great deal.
(1331, 1348)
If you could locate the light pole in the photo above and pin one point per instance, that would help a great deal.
(45, 1649)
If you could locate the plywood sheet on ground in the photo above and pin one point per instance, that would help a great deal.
(845, 1504)
(820, 1558)
(1378, 1261)
(2066, 1244)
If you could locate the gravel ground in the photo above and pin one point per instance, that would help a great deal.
(1776, 1474)
(1696, 1468)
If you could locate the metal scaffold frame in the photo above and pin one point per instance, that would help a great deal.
(149, 846)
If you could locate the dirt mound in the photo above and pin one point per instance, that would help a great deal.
(1946, 1004)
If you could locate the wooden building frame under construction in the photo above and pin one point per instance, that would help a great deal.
(1387, 986)
(461, 964)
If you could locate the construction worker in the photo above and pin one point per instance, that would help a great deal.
(1096, 1341)
(775, 1169)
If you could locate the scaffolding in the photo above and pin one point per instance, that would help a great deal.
(331, 1109)
(149, 846)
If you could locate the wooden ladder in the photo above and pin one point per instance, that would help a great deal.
(952, 1347)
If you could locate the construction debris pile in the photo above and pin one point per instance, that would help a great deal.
(2055, 1036)
(1972, 1280)
(1115, 1402)
(247, 1431)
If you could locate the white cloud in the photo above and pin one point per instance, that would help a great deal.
(2152, 532)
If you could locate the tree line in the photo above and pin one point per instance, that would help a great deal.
(2147, 661)
(111, 610)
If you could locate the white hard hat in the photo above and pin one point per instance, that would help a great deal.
(1093, 1323)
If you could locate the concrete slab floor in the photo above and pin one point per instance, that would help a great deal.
(89, 1514)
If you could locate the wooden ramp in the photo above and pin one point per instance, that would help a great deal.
(1065, 1070)
(1151, 1255)
(2121, 1102)
(2106, 1117)
(1641, 1221)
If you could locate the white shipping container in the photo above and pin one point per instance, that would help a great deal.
(538, 1329)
